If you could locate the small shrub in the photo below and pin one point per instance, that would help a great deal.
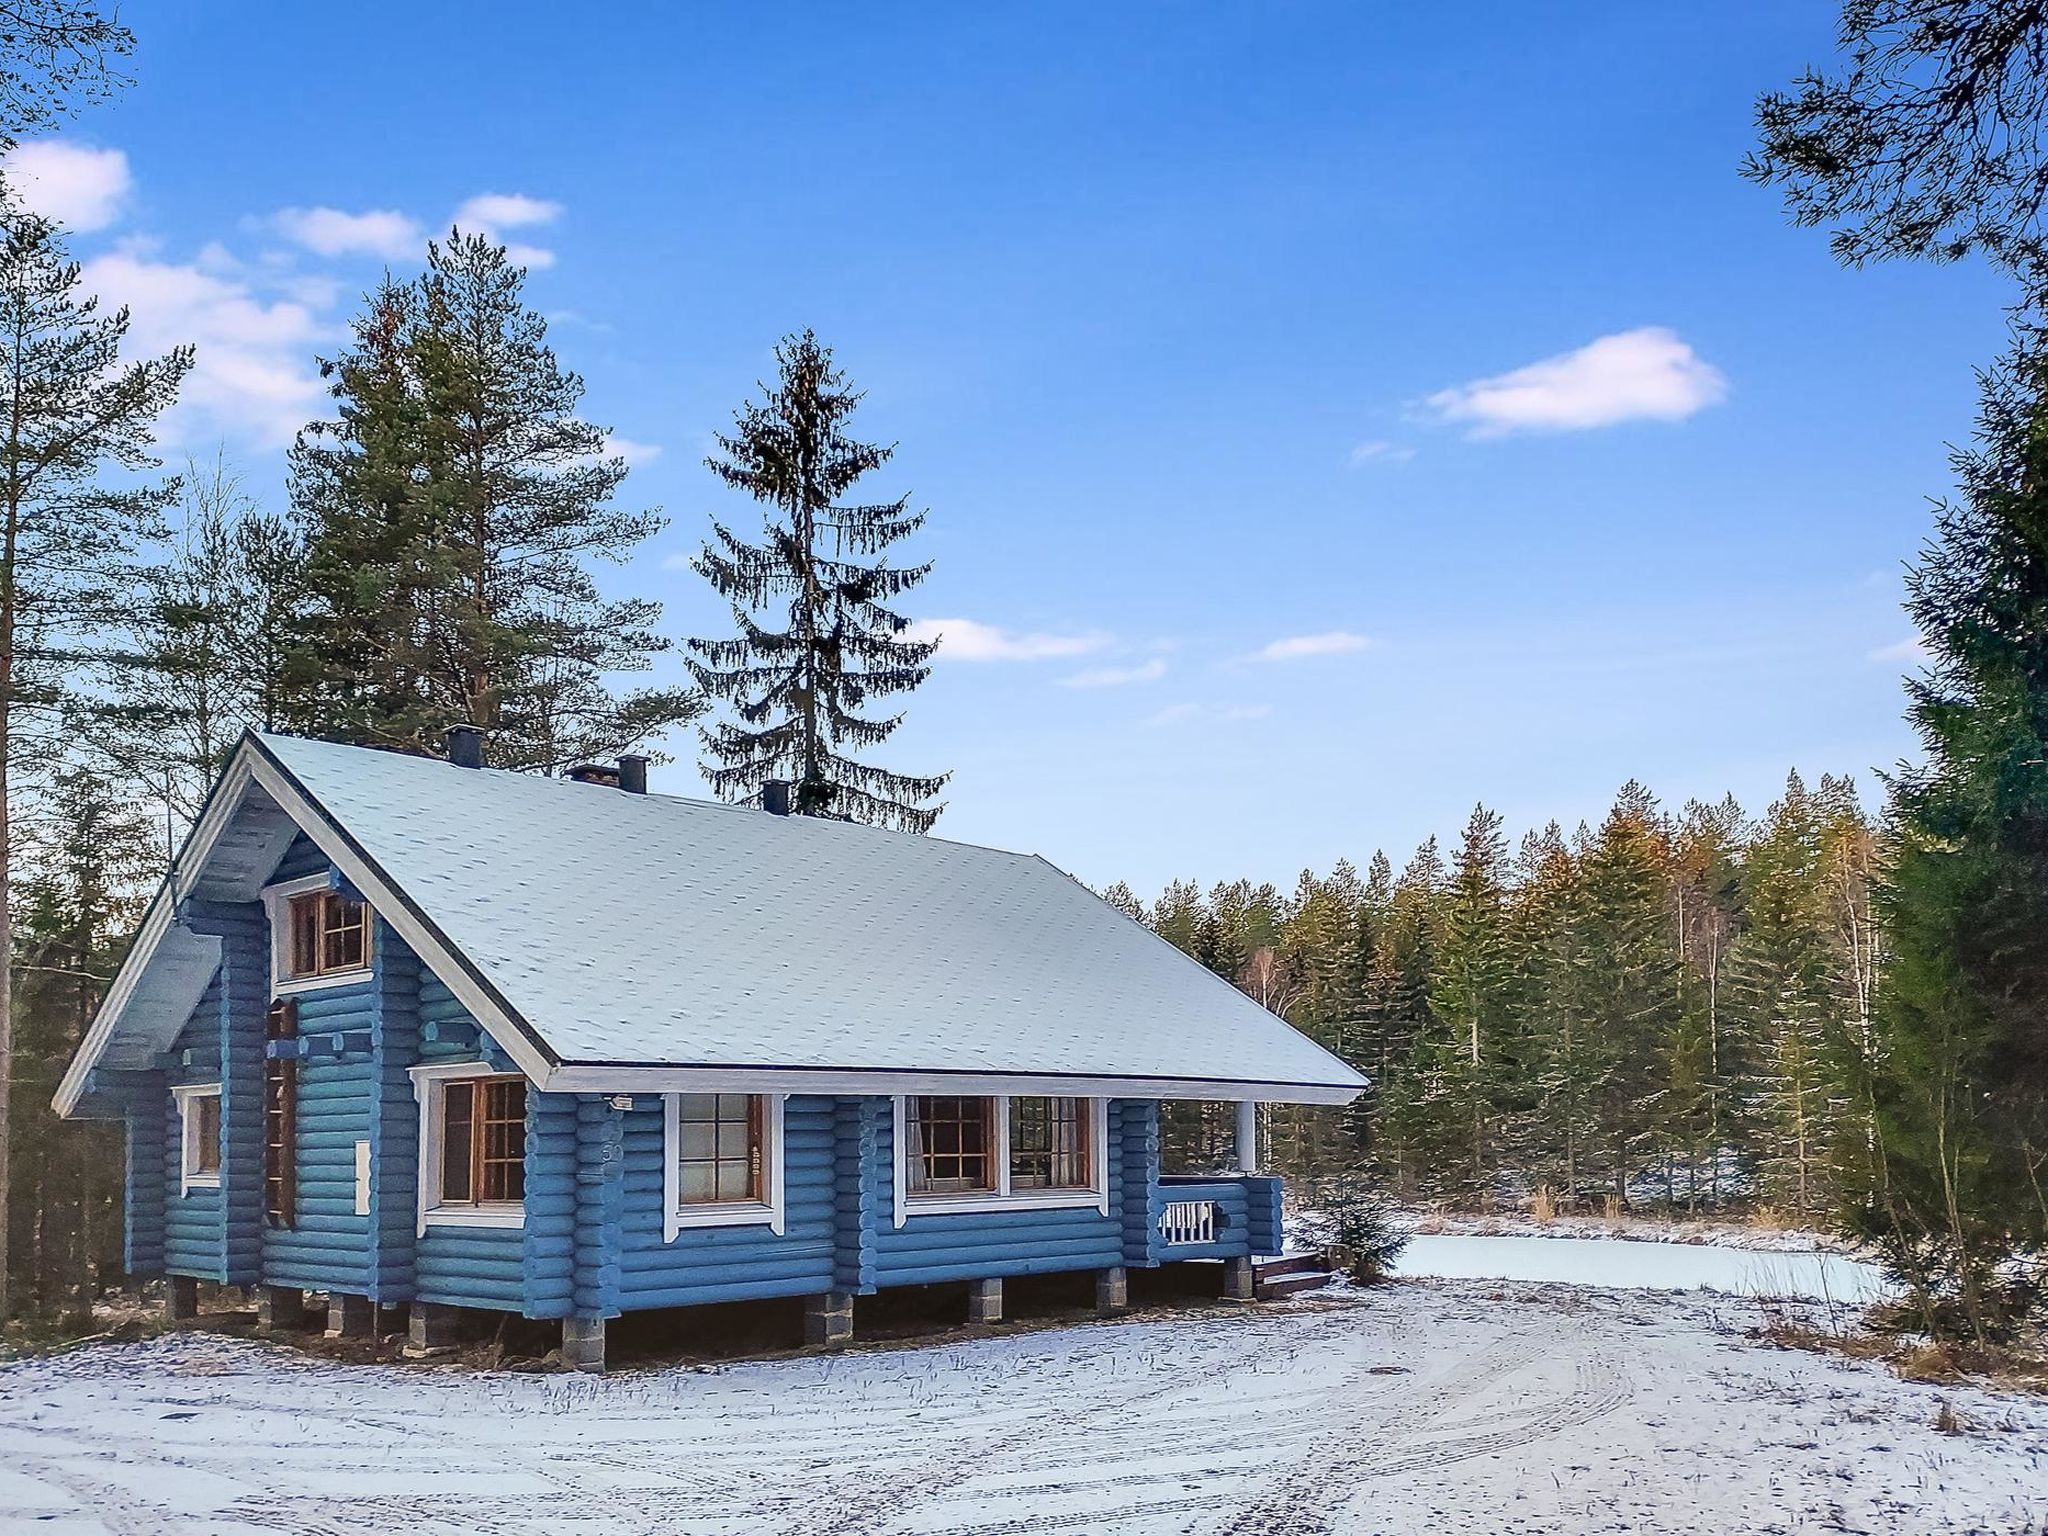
(1369, 1238)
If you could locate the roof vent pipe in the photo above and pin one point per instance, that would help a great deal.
(633, 773)
(466, 746)
(775, 797)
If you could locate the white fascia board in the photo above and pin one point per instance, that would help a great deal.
(388, 903)
(249, 766)
(156, 922)
(571, 1078)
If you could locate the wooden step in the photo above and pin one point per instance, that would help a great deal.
(1290, 1284)
(1292, 1264)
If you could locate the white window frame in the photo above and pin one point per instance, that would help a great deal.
(427, 1083)
(189, 1176)
(1002, 1198)
(277, 901)
(678, 1217)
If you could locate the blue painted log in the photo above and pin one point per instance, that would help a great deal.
(143, 1188)
(393, 1131)
(1138, 1141)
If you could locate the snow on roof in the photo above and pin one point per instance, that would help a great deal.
(656, 931)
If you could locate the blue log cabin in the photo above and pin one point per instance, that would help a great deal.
(400, 1031)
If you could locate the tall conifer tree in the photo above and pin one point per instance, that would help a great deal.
(454, 509)
(73, 417)
(819, 638)
(1961, 1082)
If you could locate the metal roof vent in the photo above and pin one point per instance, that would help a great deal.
(633, 773)
(775, 797)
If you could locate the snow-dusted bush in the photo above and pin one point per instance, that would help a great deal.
(1368, 1234)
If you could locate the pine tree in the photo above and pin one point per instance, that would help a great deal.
(799, 692)
(453, 510)
(207, 647)
(1707, 1063)
(1850, 855)
(72, 415)
(1125, 900)
(59, 56)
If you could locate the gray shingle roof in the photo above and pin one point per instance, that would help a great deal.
(653, 930)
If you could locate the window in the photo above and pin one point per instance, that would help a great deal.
(952, 1145)
(319, 937)
(719, 1137)
(724, 1160)
(963, 1154)
(198, 1136)
(281, 1117)
(329, 933)
(1049, 1144)
(472, 1146)
(483, 1141)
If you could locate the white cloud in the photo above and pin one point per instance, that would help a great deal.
(331, 232)
(1913, 648)
(492, 213)
(495, 211)
(1643, 374)
(1336, 642)
(1115, 677)
(1379, 450)
(80, 187)
(254, 376)
(634, 453)
(534, 258)
(970, 640)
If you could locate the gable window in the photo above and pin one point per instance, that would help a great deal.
(724, 1160)
(319, 936)
(198, 1136)
(1015, 1152)
(472, 1146)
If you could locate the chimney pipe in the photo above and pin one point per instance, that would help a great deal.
(775, 797)
(633, 773)
(466, 746)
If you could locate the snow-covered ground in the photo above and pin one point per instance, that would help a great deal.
(1437, 1406)
(1628, 1262)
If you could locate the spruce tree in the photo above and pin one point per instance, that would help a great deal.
(1410, 941)
(454, 509)
(1458, 1061)
(1626, 984)
(819, 638)
(76, 425)
(1961, 1068)
(88, 862)
(1780, 976)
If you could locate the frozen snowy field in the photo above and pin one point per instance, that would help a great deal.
(1428, 1406)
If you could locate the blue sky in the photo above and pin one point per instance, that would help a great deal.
(1206, 334)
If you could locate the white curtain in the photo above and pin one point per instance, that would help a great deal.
(913, 1146)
